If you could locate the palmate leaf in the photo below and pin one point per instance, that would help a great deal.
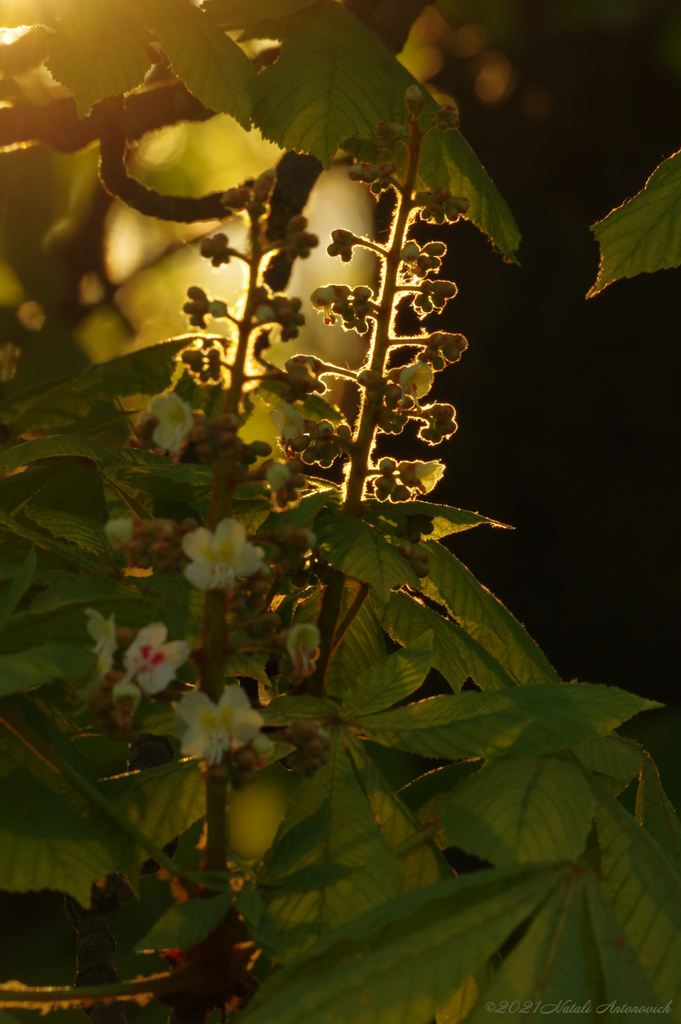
(524, 721)
(522, 811)
(455, 654)
(55, 404)
(210, 64)
(186, 924)
(80, 530)
(70, 551)
(301, 839)
(484, 617)
(71, 485)
(655, 812)
(100, 50)
(354, 840)
(17, 587)
(404, 959)
(43, 664)
(422, 865)
(394, 679)
(644, 234)
(644, 888)
(354, 82)
(554, 960)
(360, 551)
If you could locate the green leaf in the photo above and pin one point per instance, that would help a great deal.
(210, 64)
(402, 961)
(655, 812)
(296, 843)
(644, 888)
(237, 13)
(16, 588)
(46, 843)
(250, 905)
(398, 676)
(286, 709)
(162, 801)
(362, 647)
(436, 784)
(558, 958)
(184, 925)
(484, 617)
(80, 530)
(611, 755)
(360, 551)
(60, 403)
(524, 721)
(314, 876)
(100, 50)
(644, 234)
(42, 665)
(521, 811)
(43, 540)
(446, 520)
(304, 512)
(455, 655)
(422, 865)
(334, 80)
(354, 841)
(461, 1002)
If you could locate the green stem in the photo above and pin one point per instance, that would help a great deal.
(213, 656)
(326, 623)
(366, 430)
(424, 835)
(72, 996)
(49, 756)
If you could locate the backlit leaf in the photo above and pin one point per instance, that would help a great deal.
(186, 924)
(360, 551)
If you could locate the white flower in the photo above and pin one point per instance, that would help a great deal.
(175, 420)
(208, 730)
(277, 475)
(123, 690)
(151, 661)
(118, 531)
(218, 558)
(288, 421)
(416, 379)
(302, 646)
(103, 632)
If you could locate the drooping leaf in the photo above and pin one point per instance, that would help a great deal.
(186, 924)
(40, 665)
(398, 676)
(524, 721)
(403, 960)
(644, 234)
(360, 551)
(334, 80)
(484, 617)
(521, 811)
(56, 404)
(211, 65)
(455, 654)
(17, 587)
(655, 812)
(644, 888)
(100, 50)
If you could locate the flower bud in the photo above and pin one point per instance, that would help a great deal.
(119, 531)
(414, 101)
(446, 117)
